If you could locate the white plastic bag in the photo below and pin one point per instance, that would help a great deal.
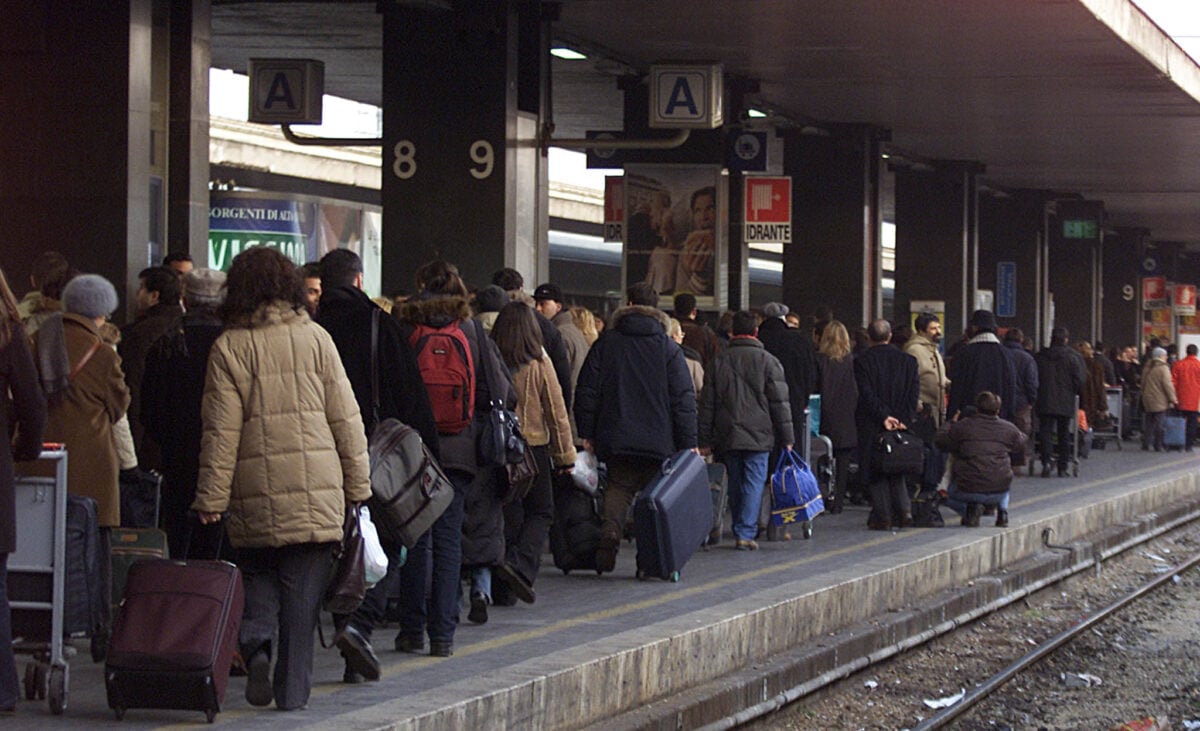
(585, 472)
(373, 555)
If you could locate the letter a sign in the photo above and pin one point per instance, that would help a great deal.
(286, 90)
(686, 97)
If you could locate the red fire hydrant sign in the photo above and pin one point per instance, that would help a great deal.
(768, 213)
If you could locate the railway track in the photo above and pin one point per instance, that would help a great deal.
(890, 693)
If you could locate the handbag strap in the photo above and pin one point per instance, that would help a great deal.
(484, 366)
(83, 361)
(352, 513)
(375, 365)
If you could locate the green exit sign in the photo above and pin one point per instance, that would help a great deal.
(1080, 229)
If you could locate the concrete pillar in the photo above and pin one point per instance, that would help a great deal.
(187, 154)
(1074, 266)
(936, 240)
(75, 87)
(833, 259)
(1121, 303)
(464, 178)
(1010, 228)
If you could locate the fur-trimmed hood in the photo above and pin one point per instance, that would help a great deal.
(653, 312)
(434, 311)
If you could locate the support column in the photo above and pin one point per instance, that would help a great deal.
(463, 173)
(1010, 225)
(937, 254)
(75, 79)
(833, 259)
(1121, 302)
(1075, 232)
(187, 151)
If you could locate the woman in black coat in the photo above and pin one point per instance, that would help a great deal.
(23, 410)
(839, 399)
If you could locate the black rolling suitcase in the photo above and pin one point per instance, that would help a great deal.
(85, 596)
(174, 639)
(672, 516)
(575, 532)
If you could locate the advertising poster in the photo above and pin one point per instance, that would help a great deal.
(303, 228)
(614, 207)
(675, 231)
(1184, 300)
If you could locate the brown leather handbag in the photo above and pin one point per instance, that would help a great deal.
(348, 585)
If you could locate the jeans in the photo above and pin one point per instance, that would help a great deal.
(10, 686)
(481, 582)
(957, 500)
(430, 582)
(283, 588)
(747, 475)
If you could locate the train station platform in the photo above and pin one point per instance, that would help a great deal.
(739, 629)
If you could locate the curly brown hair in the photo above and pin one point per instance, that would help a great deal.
(257, 276)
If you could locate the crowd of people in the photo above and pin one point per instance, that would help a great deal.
(254, 392)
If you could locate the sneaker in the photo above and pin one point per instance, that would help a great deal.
(519, 585)
(258, 680)
(410, 643)
(440, 649)
(746, 545)
(358, 653)
(478, 613)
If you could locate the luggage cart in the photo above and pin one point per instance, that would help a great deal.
(1115, 396)
(36, 573)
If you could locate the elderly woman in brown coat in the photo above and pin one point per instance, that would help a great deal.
(20, 398)
(283, 452)
(85, 388)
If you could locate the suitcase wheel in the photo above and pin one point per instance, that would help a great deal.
(674, 578)
(806, 529)
(58, 690)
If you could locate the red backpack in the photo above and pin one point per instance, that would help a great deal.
(444, 357)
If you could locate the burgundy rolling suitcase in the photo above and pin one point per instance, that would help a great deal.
(174, 638)
(672, 516)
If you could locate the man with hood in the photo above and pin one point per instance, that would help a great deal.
(982, 364)
(634, 408)
(1061, 374)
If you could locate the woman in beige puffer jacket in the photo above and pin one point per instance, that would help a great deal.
(282, 455)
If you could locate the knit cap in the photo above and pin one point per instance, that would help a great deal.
(90, 295)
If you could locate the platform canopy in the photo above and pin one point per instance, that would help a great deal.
(1080, 96)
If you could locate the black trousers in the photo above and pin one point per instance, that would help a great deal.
(1048, 427)
(527, 522)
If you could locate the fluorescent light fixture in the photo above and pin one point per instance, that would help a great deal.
(756, 113)
(567, 53)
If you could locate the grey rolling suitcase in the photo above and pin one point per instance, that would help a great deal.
(672, 517)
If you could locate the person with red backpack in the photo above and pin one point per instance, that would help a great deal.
(449, 346)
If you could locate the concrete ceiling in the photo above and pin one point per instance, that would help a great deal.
(1078, 96)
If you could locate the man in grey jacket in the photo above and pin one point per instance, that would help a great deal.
(743, 410)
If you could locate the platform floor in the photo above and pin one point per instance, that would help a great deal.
(592, 644)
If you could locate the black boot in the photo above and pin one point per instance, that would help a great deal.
(974, 512)
(1001, 518)
(1045, 469)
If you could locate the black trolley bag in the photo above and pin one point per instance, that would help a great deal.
(575, 532)
(174, 637)
(672, 516)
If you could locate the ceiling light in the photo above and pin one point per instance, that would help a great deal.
(567, 53)
(756, 113)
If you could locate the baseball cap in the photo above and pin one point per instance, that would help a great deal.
(548, 291)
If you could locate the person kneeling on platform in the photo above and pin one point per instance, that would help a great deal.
(981, 444)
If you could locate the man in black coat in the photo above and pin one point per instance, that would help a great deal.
(635, 407)
(794, 349)
(1061, 375)
(346, 312)
(888, 391)
(158, 312)
(982, 364)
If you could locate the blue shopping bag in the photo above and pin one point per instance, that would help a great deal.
(795, 496)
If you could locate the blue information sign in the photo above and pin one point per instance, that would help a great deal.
(1006, 289)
